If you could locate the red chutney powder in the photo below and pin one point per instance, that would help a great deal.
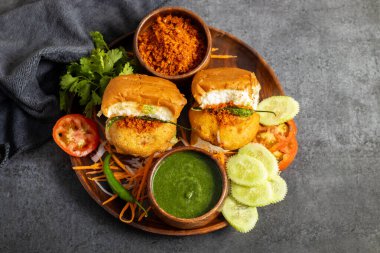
(172, 45)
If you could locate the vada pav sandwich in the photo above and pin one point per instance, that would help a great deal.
(223, 113)
(142, 112)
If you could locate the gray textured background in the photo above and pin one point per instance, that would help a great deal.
(326, 55)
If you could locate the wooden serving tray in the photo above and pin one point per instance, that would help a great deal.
(247, 58)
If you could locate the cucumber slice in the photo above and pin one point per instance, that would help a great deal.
(256, 196)
(246, 170)
(279, 189)
(261, 153)
(286, 108)
(242, 218)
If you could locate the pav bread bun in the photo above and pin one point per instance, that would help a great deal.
(216, 92)
(216, 86)
(144, 90)
(138, 108)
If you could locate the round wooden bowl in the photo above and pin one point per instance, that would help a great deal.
(181, 12)
(183, 223)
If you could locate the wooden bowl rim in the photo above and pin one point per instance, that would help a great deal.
(188, 13)
(204, 216)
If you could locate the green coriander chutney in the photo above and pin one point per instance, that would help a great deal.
(187, 184)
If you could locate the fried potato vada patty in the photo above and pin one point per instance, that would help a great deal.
(140, 137)
(221, 128)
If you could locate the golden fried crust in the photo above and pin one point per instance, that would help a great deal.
(140, 137)
(221, 79)
(143, 89)
(223, 129)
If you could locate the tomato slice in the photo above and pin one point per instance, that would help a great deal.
(281, 141)
(76, 135)
(276, 137)
(290, 152)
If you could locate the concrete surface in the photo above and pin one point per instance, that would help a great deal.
(326, 54)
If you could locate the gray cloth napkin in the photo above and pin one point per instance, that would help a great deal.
(36, 40)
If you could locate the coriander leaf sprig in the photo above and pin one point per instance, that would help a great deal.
(88, 78)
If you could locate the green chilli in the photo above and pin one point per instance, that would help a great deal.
(113, 120)
(237, 111)
(116, 187)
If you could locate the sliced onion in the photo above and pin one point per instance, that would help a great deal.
(208, 146)
(99, 153)
(135, 162)
(129, 169)
(183, 141)
(103, 189)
